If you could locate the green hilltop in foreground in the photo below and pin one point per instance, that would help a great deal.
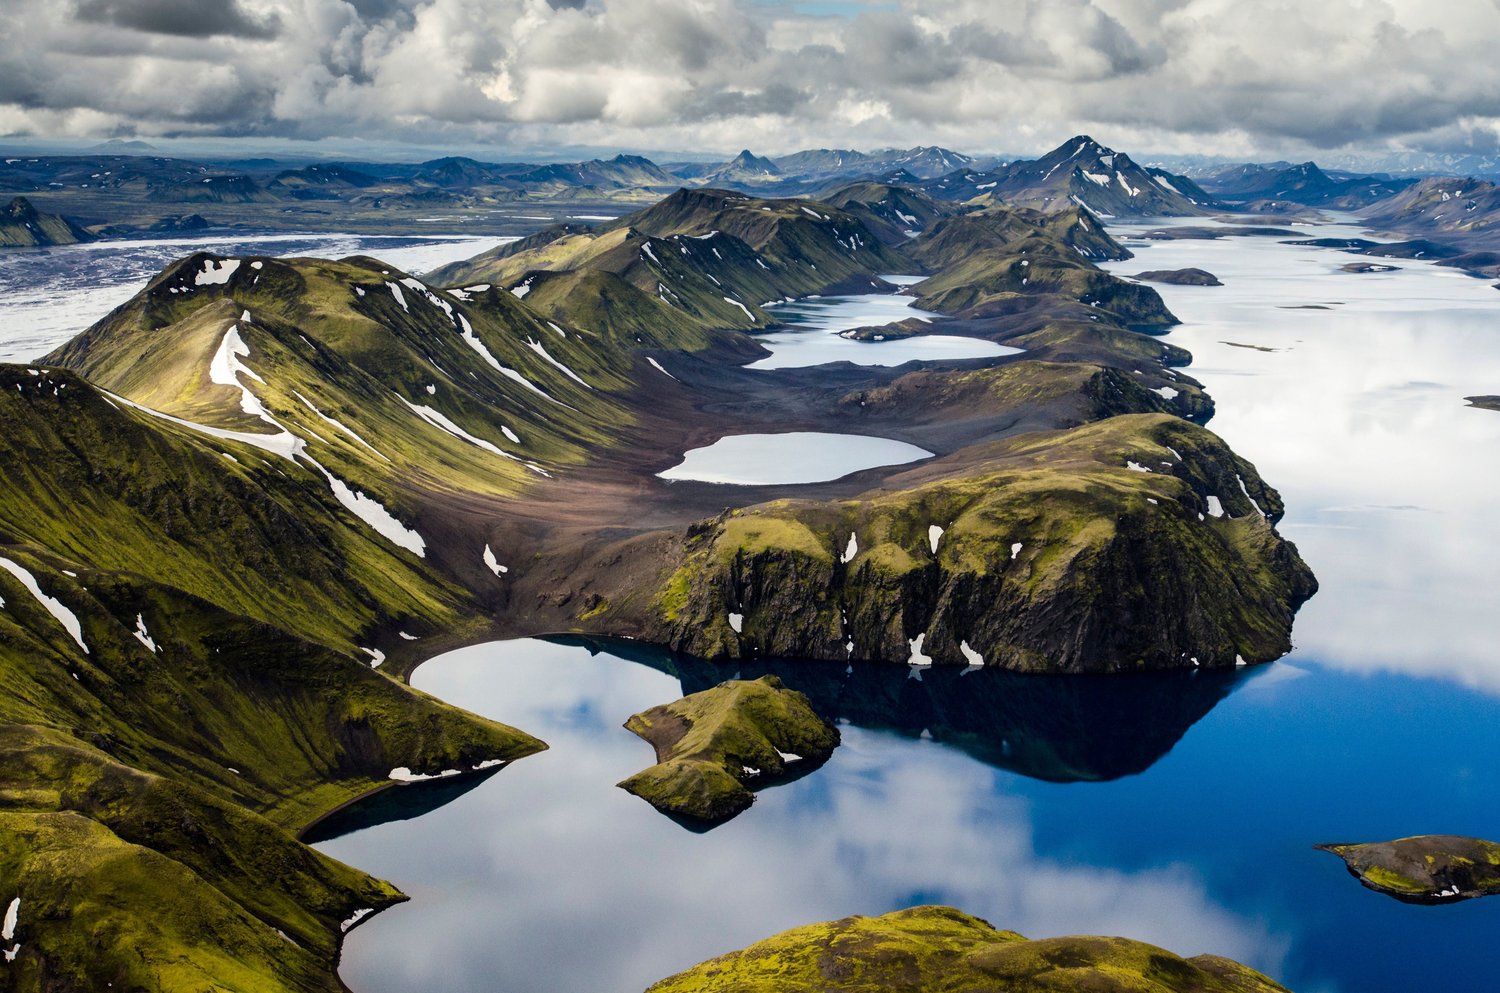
(240, 508)
(942, 950)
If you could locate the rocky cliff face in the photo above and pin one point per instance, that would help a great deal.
(1140, 542)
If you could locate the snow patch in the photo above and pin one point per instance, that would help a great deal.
(737, 623)
(1215, 508)
(337, 424)
(1166, 392)
(376, 656)
(493, 564)
(374, 514)
(917, 657)
(442, 422)
(356, 917)
(748, 316)
(215, 273)
(142, 635)
(536, 346)
(970, 656)
(1015, 550)
(400, 297)
(934, 535)
(850, 550)
(64, 616)
(657, 366)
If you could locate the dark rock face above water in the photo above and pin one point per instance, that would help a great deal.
(1431, 868)
(711, 747)
(1137, 543)
(939, 948)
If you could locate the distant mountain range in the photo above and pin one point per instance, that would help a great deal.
(97, 189)
(1304, 184)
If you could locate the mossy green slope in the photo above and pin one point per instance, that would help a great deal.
(713, 746)
(894, 214)
(995, 226)
(1137, 542)
(23, 226)
(715, 256)
(177, 644)
(1433, 868)
(383, 377)
(942, 950)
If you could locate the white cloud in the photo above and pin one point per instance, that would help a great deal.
(1184, 75)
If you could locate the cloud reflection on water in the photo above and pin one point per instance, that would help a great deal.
(1364, 409)
(534, 900)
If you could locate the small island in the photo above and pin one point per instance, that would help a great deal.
(1362, 267)
(1432, 868)
(1180, 277)
(711, 746)
(1486, 402)
(940, 948)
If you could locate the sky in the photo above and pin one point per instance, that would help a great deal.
(1229, 78)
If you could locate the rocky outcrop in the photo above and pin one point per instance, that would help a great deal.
(1139, 542)
(1180, 277)
(23, 226)
(1432, 868)
(712, 747)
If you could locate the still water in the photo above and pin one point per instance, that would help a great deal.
(1177, 809)
(811, 336)
(791, 457)
(48, 295)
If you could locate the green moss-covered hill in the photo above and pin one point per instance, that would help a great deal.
(716, 256)
(178, 622)
(942, 950)
(714, 746)
(1432, 868)
(23, 226)
(1137, 542)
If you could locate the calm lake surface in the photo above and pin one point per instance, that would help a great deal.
(48, 295)
(1178, 809)
(812, 337)
(792, 457)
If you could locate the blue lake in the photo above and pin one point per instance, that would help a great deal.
(1178, 809)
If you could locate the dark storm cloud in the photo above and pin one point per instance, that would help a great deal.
(188, 18)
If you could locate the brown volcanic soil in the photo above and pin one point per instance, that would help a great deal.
(602, 530)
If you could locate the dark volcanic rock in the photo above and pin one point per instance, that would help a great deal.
(1366, 267)
(1180, 277)
(1431, 868)
(1488, 402)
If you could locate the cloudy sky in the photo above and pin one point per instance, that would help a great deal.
(1232, 77)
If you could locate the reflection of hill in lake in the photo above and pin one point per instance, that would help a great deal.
(395, 803)
(1057, 728)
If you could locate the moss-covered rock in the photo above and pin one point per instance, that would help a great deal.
(713, 746)
(942, 950)
(1138, 542)
(1432, 868)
